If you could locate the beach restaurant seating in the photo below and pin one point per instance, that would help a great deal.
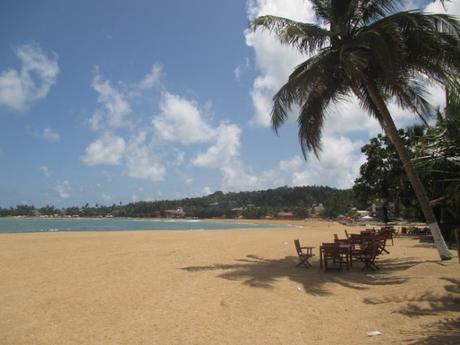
(334, 256)
(366, 247)
(369, 250)
(304, 253)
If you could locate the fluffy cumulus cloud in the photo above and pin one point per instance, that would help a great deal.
(180, 121)
(107, 150)
(123, 141)
(225, 149)
(151, 79)
(141, 160)
(338, 165)
(115, 108)
(32, 82)
(273, 60)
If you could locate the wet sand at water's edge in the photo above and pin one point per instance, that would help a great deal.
(219, 287)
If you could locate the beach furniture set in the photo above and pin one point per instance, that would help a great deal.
(364, 247)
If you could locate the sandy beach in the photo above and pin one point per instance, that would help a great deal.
(219, 287)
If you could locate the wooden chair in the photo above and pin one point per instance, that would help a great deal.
(339, 241)
(355, 242)
(304, 253)
(346, 234)
(388, 233)
(335, 254)
(368, 253)
(381, 243)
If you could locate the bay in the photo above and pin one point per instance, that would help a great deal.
(24, 225)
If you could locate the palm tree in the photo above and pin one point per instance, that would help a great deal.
(367, 48)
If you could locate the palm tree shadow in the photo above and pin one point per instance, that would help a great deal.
(427, 303)
(258, 272)
(444, 332)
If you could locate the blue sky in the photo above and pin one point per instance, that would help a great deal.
(109, 101)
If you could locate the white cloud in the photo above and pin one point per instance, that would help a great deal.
(274, 61)
(180, 121)
(115, 109)
(292, 164)
(38, 73)
(46, 171)
(151, 79)
(180, 159)
(206, 190)
(224, 150)
(235, 178)
(51, 135)
(108, 150)
(142, 162)
(338, 165)
(452, 7)
(241, 68)
(63, 189)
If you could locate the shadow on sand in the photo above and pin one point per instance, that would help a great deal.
(260, 272)
(427, 303)
(444, 332)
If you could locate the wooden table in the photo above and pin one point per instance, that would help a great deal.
(343, 251)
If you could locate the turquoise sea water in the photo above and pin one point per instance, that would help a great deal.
(13, 225)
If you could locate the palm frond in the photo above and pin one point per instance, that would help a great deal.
(312, 114)
(411, 94)
(305, 37)
(428, 43)
(307, 77)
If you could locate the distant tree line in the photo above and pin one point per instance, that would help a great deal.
(257, 204)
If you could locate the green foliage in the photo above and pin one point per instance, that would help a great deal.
(257, 204)
(382, 176)
(338, 204)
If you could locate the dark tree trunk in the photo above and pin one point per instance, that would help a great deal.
(391, 132)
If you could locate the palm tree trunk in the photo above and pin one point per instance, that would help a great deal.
(392, 133)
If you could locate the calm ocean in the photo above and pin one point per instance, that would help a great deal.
(13, 225)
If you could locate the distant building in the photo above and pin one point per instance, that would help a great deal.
(237, 212)
(362, 213)
(178, 213)
(285, 215)
(319, 208)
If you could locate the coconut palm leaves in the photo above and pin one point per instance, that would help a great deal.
(365, 48)
(396, 52)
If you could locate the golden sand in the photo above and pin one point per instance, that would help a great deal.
(219, 287)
